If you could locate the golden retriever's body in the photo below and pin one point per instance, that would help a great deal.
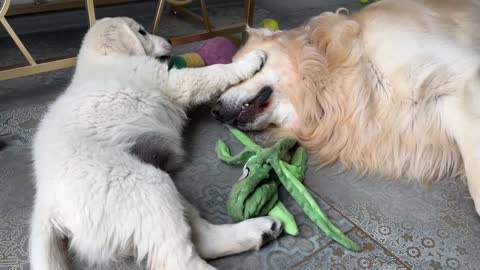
(392, 90)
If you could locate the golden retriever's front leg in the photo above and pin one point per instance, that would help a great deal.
(462, 115)
(471, 158)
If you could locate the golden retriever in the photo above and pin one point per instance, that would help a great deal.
(392, 90)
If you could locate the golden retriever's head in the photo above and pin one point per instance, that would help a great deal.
(297, 85)
(122, 36)
(263, 100)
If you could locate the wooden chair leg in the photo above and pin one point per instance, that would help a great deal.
(249, 10)
(158, 14)
(206, 19)
(90, 12)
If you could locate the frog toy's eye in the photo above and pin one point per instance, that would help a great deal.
(245, 173)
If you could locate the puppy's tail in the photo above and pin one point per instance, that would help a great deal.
(47, 251)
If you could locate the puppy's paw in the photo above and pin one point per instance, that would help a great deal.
(257, 59)
(251, 63)
(260, 231)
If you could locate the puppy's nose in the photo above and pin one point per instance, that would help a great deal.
(167, 47)
(169, 41)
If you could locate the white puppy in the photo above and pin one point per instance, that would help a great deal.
(101, 152)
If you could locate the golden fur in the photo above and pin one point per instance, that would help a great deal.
(347, 115)
(352, 105)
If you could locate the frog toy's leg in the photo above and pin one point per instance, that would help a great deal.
(281, 212)
(297, 168)
(223, 153)
(309, 206)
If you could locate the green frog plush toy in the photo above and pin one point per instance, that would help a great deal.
(256, 192)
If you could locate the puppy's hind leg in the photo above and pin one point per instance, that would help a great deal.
(150, 219)
(214, 241)
(193, 86)
(47, 252)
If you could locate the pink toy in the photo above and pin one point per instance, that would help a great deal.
(218, 50)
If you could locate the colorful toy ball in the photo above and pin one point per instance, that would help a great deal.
(218, 50)
(190, 60)
(269, 23)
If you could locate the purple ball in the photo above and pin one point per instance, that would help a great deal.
(218, 50)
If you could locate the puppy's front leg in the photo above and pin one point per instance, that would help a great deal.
(192, 86)
(214, 241)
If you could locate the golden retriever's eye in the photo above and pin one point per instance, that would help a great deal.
(142, 32)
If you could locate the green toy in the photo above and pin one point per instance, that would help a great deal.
(367, 1)
(256, 192)
(269, 23)
(186, 60)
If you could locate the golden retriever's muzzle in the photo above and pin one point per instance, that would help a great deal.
(244, 112)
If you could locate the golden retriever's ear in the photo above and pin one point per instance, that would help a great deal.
(336, 36)
(259, 32)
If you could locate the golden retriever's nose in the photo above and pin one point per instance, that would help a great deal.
(220, 113)
(216, 110)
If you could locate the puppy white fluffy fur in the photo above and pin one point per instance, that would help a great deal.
(102, 148)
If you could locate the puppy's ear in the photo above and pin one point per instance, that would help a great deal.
(336, 36)
(114, 36)
(130, 41)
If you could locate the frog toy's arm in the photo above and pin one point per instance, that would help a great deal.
(223, 153)
(251, 148)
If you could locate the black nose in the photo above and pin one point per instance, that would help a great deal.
(169, 41)
(223, 113)
(216, 110)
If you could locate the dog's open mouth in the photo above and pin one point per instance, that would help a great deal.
(254, 106)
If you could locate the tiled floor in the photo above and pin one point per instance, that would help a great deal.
(399, 225)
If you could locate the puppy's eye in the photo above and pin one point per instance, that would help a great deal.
(143, 33)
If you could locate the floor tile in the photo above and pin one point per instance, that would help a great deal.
(426, 228)
(335, 257)
(16, 195)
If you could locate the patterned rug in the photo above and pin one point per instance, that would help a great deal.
(399, 225)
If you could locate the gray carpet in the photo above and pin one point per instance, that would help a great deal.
(399, 225)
